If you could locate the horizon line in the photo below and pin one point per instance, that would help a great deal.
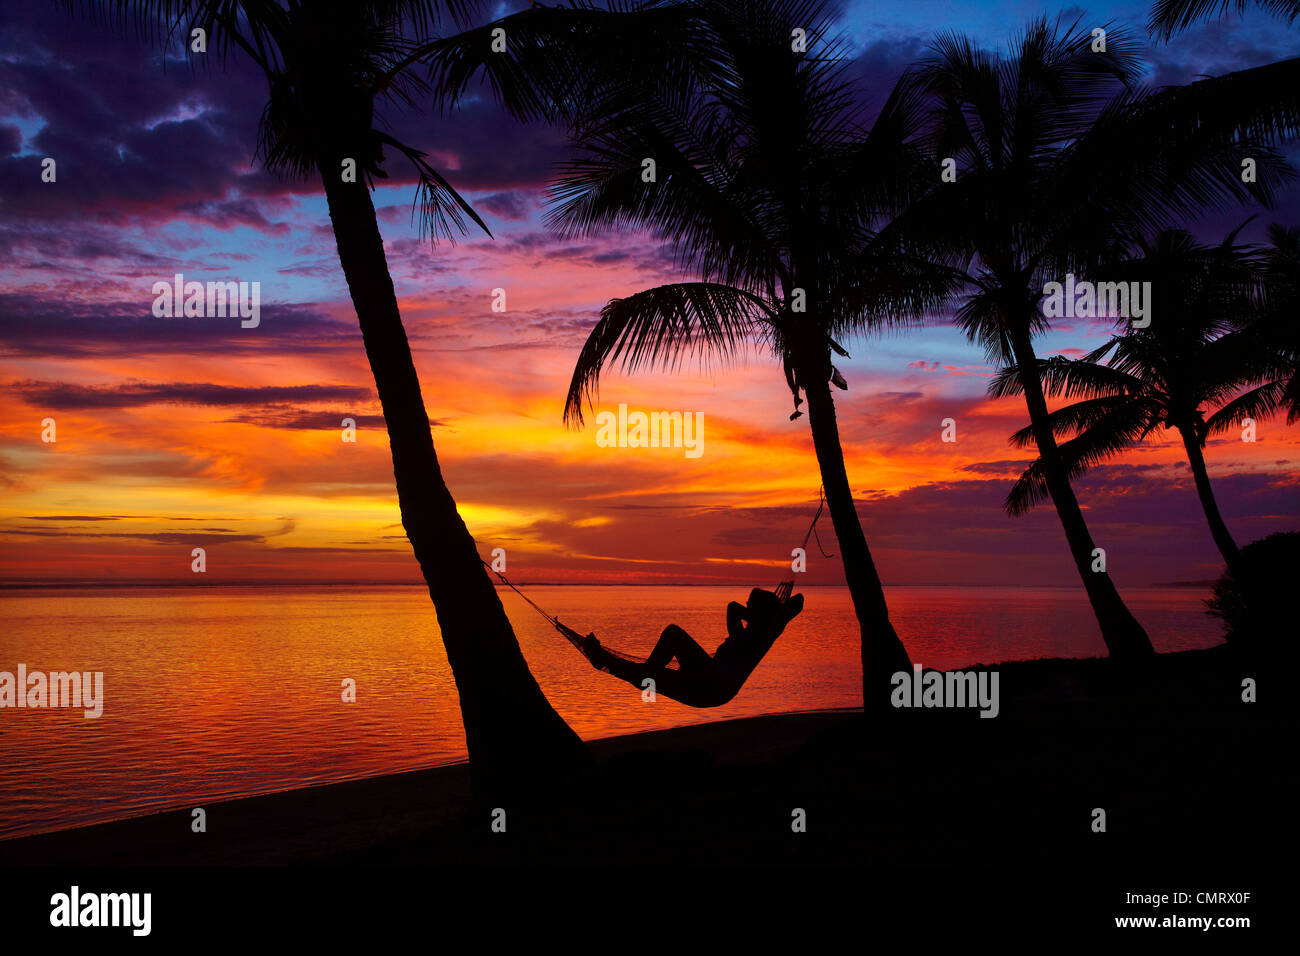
(123, 585)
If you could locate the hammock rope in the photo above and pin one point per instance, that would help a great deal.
(573, 636)
(786, 587)
(783, 589)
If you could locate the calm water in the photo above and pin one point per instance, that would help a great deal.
(214, 693)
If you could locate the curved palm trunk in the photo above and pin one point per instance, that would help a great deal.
(883, 653)
(1196, 458)
(1124, 636)
(516, 741)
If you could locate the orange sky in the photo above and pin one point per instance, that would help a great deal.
(153, 459)
(178, 433)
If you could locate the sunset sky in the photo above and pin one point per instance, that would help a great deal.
(174, 433)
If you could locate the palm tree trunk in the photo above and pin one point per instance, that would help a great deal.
(883, 653)
(1196, 458)
(514, 737)
(1124, 636)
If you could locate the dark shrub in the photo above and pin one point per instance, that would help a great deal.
(1256, 596)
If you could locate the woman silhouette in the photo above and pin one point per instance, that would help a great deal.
(701, 679)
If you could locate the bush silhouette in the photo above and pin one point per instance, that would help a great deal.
(1254, 596)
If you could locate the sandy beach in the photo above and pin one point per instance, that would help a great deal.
(920, 788)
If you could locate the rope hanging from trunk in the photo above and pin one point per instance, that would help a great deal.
(783, 590)
(786, 587)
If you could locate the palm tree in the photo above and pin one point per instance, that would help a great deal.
(1262, 102)
(767, 187)
(1273, 333)
(1058, 153)
(327, 65)
(1198, 354)
(1170, 16)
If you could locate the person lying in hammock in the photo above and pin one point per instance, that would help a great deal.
(701, 680)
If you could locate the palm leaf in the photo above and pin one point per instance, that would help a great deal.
(661, 326)
(1170, 16)
(557, 58)
(1108, 436)
(1257, 403)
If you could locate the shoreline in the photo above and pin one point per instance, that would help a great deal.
(295, 817)
(1072, 734)
(609, 745)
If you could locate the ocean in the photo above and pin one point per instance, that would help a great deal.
(211, 693)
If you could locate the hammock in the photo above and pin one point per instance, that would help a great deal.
(783, 592)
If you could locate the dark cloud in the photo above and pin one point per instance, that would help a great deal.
(877, 68)
(57, 245)
(129, 138)
(1220, 46)
(59, 395)
(136, 134)
(235, 212)
(109, 518)
(515, 204)
(306, 420)
(157, 537)
(73, 517)
(1147, 518)
(1002, 467)
(896, 398)
(53, 326)
(139, 135)
(198, 536)
(311, 551)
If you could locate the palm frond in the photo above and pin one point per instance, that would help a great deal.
(1260, 104)
(437, 208)
(254, 26)
(557, 58)
(1108, 436)
(1257, 403)
(1107, 411)
(1068, 378)
(662, 326)
(1170, 16)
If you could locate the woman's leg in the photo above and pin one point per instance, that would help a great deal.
(693, 660)
(695, 682)
(675, 642)
(631, 671)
